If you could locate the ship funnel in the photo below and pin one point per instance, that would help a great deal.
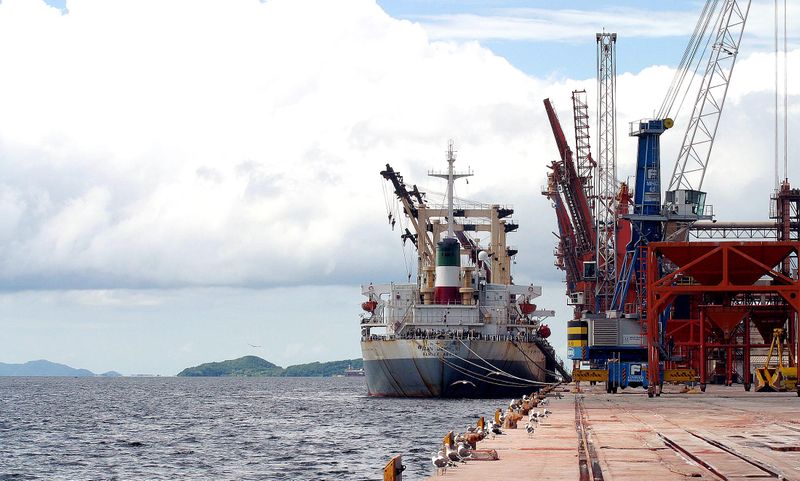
(448, 270)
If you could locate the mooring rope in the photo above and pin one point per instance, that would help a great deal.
(507, 374)
(534, 362)
(492, 368)
(481, 377)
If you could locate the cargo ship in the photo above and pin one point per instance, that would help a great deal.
(463, 329)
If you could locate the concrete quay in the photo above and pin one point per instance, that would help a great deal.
(724, 433)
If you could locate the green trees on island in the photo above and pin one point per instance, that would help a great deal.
(254, 366)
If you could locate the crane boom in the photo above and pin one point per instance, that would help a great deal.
(566, 256)
(690, 167)
(412, 202)
(572, 186)
(583, 151)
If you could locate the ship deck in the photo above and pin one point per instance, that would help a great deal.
(724, 433)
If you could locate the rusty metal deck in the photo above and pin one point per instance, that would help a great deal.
(724, 433)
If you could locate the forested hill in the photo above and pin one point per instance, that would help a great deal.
(43, 367)
(254, 366)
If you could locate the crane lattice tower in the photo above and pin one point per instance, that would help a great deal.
(606, 183)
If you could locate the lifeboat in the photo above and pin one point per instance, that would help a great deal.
(527, 307)
(544, 331)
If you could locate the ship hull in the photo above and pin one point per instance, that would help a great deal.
(453, 368)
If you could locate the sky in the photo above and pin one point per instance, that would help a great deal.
(181, 181)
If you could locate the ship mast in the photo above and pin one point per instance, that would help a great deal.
(451, 177)
(448, 250)
(441, 242)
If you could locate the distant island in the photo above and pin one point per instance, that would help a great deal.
(43, 367)
(254, 366)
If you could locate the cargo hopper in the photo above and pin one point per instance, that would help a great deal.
(463, 329)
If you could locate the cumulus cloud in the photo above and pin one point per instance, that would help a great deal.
(192, 143)
(205, 147)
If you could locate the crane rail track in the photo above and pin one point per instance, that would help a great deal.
(771, 471)
(588, 462)
(680, 449)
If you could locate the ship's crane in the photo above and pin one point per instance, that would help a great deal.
(412, 200)
(429, 222)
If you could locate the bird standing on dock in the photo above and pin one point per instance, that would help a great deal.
(463, 450)
(439, 462)
(530, 429)
(452, 454)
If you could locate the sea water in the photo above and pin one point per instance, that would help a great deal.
(217, 429)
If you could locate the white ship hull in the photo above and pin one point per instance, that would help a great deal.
(453, 367)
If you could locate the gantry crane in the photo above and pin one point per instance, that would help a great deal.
(620, 307)
(684, 202)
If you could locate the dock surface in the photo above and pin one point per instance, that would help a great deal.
(724, 433)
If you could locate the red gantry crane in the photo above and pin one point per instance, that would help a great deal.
(704, 308)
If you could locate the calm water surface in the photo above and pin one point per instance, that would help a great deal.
(217, 429)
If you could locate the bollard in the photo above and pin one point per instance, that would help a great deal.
(394, 469)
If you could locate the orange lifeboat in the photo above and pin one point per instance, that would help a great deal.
(369, 306)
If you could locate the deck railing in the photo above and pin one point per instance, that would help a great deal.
(452, 335)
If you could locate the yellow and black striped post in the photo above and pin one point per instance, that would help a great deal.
(577, 333)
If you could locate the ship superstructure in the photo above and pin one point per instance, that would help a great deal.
(463, 328)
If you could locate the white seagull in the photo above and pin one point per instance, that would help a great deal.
(439, 462)
(463, 450)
